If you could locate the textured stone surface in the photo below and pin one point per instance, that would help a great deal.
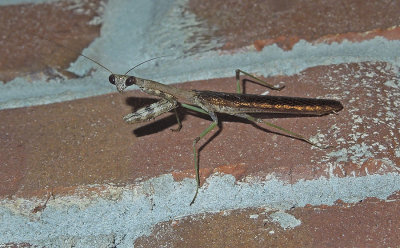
(32, 35)
(74, 173)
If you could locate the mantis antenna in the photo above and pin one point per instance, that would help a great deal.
(146, 62)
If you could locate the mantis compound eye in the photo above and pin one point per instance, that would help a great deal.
(130, 81)
(111, 79)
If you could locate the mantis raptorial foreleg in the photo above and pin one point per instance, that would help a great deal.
(152, 111)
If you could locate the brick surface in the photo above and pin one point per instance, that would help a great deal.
(365, 224)
(83, 147)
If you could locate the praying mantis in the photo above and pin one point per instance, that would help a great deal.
(211, 102)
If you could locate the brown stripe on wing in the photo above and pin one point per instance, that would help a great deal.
(227, 102)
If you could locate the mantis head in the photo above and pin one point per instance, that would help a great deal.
(121, 81)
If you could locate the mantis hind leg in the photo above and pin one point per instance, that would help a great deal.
(284, 130)
(262, 82)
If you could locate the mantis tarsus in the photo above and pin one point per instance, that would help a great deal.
(211, 102)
